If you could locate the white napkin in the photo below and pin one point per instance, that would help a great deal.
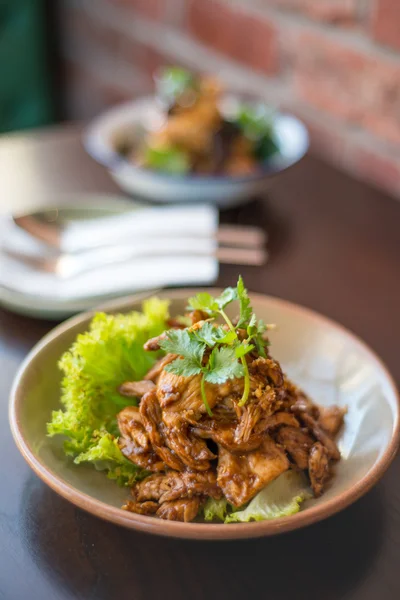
(111, 280)
(166, 221)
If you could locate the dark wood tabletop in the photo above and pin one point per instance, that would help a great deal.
(335, 247)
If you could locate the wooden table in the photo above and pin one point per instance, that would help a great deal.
(335, 247)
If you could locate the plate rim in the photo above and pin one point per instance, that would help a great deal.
(208, 531)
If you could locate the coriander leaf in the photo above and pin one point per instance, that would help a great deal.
(245, 306)
(228, 338)
(257, 124)
(261, 350)
(243, 349)
(204, 302)
(227, 296)
(184, 366)
(180, 341)
(266, 147)
(168, 160)
(255, 120)
(252, 326)
(261, 326)
(211, 335)
(207, 334)
(255, 331)
(204, 395)
(174, 81)
(223, 365)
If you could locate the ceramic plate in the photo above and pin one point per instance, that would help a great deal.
(329, 362)
(70, 208)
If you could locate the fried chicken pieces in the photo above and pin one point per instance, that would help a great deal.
(235, 452)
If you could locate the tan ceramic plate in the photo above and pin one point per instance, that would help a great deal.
(330, 363)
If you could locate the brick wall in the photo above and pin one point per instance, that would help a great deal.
(334, 63)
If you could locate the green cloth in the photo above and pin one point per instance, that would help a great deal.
(25, 95)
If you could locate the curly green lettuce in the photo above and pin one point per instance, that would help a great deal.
(281, 498)
(104, 454)
(215, 510)
(110, 352)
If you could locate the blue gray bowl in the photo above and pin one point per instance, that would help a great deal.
(102, 135)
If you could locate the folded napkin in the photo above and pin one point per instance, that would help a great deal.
(143, 223)
(108, 280)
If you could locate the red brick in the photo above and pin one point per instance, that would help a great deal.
(152, 9)
(153, 60)
(361, 89)
(86, 95)
(167, 11)
(78, 23)
(145, 57)
(328, 11)
(232, 31)
(386, 23)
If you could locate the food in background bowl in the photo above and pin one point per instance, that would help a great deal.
(194, 414)
(200, 133)
(126, 140)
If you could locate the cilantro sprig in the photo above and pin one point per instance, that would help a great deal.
(222, 363)
(225, 350)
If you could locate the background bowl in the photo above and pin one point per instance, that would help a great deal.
(127, 119)
(330, 363)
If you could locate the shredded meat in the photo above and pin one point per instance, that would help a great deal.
(244, 432)
(131, 426)
(261, 407)
(226, 409)
(224, 435)
(141, 508)
(134, 442)
(192, 451)
(233, 453)
(277, 420)
(181, 394)
(175, 323)
(153, 344)
(136, 389)
(198, 315)
(252, 413)
(331, 419)
(297, 444)
(224, 432)
(320, 434)
(151, 414)
(155, 371)
(318, 468)
(147, 460)
(290, 395)
(303, 404)
(180, 510)
(241, 476)
(173, 485)
(268, 369)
